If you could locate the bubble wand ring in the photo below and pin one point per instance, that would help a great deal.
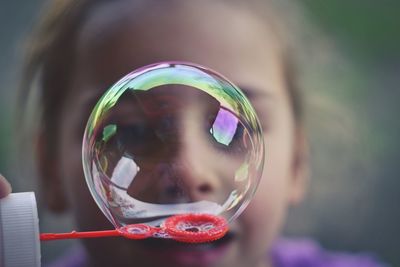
(196, 228)
(137, 231)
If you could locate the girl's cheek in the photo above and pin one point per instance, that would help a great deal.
(269, 203)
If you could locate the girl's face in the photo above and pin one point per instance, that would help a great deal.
(115, 40)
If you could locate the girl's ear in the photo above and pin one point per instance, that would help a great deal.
(300, 168)
(51, 184)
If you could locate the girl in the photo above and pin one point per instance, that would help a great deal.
(82, 47)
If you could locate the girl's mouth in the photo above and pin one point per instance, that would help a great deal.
(185, 254)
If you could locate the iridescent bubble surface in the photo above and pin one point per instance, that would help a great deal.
(172, 138)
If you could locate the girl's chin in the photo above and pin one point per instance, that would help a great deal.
(170, 252)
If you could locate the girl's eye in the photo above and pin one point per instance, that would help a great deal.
(227, 133)
(137, 131)
(136, 139)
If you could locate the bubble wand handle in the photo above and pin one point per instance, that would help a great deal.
(76, 235)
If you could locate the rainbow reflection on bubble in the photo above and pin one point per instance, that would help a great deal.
(172, 138)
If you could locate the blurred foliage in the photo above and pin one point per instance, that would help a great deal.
(369, 28)
(368, 32)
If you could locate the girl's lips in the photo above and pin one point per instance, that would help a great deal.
(184, 254)
(201, 256)
(166, 244)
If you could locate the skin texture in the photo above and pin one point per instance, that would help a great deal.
(230, 40)
(5, 187)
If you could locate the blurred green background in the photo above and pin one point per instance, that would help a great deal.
(361, 207)
(354, 209)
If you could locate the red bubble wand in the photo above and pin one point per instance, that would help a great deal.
(188, 228)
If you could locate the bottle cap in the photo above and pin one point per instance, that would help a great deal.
(19, 231)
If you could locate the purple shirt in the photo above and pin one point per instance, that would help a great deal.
(285, 253)
(307, 253)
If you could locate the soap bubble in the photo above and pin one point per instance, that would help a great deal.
(172, 139)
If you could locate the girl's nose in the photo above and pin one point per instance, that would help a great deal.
(195, 177)
(196, 159)
(189, 174)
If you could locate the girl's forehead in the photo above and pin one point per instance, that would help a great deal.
(118, 38)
